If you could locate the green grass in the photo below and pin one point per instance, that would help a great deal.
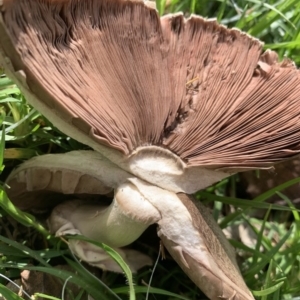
(270, 267)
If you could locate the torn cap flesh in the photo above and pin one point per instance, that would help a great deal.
(188, 95)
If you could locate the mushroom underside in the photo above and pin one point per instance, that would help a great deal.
(185, 227)
(105, 64)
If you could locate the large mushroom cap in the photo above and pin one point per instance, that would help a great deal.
(113, 75)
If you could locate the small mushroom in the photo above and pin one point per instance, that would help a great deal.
(169, 105)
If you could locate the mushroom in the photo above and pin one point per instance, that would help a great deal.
(169, 106)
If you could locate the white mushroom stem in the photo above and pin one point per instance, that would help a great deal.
(117, 225)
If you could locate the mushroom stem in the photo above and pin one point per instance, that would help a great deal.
(117, 225)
